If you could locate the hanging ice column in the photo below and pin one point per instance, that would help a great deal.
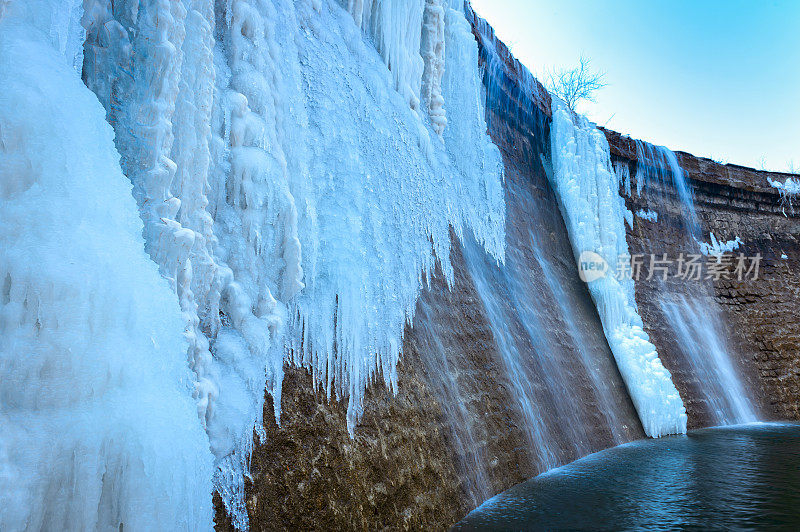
(595, 213)
(153, 66)
(98, 429)
(256, 226)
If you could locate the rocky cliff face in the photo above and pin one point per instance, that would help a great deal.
(454, 433)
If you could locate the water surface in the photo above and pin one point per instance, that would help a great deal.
(742, 477)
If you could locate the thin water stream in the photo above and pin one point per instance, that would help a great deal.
(689, 310)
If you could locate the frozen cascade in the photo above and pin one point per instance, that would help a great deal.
(160, 106)
(587, 188)
(368, 255)
(717, 248)
(280, 226)
(433, 53)
(92, 353)
(395, 29)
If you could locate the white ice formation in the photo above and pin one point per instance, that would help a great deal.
(98, 429)
(789, 185)
(649, 215)
(588, 192)
(717, 248)
(789, 189)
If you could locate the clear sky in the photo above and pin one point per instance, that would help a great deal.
(715, 78)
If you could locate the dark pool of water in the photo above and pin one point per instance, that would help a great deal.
(742, 478)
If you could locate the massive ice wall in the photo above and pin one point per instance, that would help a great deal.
(99, 429)
(298, 167)
(595, 214)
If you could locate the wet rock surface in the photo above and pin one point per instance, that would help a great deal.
(452, 435)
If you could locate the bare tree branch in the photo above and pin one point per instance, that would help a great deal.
(576, 84)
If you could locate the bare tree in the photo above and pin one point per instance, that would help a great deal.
(576, 84)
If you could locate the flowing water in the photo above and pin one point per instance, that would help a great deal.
(689, 310)
(706, 352)
(453, 400)
(741, 477)
(660, 164)
(565, 394)
(560, 372)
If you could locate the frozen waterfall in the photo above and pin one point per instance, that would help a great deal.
(297, 168)
(595, 214)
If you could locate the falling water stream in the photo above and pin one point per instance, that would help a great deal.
(581, 344)
(564, 382)
(697, 330)
(691, 314)
(453, 400)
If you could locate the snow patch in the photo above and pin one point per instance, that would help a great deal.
(650, 216)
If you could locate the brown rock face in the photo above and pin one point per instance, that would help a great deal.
(456, 432)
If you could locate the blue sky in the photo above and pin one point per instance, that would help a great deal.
(715, 78)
